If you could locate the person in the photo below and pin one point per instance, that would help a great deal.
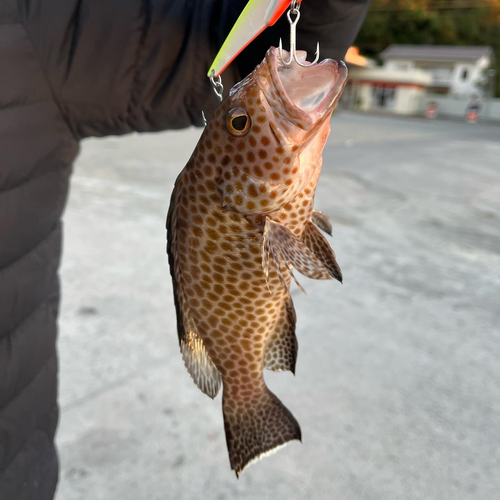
(71, 69)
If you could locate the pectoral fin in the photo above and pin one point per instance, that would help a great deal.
(318, 244)
(287, 251)
(322, 221)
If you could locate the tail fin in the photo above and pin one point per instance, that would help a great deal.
(256, 429)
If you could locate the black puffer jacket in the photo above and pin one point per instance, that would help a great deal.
(71, 69)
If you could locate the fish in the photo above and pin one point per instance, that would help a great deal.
(240, 222)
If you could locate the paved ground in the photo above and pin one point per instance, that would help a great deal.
(398, 377)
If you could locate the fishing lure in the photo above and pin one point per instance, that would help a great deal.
(255, 18)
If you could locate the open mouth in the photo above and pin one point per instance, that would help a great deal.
(307, 92)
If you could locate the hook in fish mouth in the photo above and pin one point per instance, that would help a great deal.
(307, 92)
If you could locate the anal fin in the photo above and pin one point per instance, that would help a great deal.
(318, 244)
(282, 346)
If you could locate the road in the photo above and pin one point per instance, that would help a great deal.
(397, 388)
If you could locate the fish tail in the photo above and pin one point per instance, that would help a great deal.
(255, 428)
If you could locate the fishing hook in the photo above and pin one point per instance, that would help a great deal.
(294, 9)
(216, 82)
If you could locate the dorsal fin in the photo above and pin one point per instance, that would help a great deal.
(318, 244)
(281, 348)
(196, 359)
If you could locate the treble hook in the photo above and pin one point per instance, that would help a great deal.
(218, 88)
(216, 82)
(294, 9)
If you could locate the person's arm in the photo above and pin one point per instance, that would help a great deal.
(117, 66)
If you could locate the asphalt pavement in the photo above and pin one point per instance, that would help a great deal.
(397, 387)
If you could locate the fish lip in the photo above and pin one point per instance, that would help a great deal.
(295, 114)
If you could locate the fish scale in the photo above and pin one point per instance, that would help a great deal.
(238, 212)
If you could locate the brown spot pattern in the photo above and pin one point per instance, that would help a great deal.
(233, 319)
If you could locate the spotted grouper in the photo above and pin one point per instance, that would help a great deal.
(241, 219)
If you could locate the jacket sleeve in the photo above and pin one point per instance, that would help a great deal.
(117, 66)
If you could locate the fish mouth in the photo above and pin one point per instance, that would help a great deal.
(308, 93)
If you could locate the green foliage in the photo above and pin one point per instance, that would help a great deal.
(432, 22)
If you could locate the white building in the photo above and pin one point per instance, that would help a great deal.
(456, 70)
(371, 88)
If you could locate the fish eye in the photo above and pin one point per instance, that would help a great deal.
(238, 121)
